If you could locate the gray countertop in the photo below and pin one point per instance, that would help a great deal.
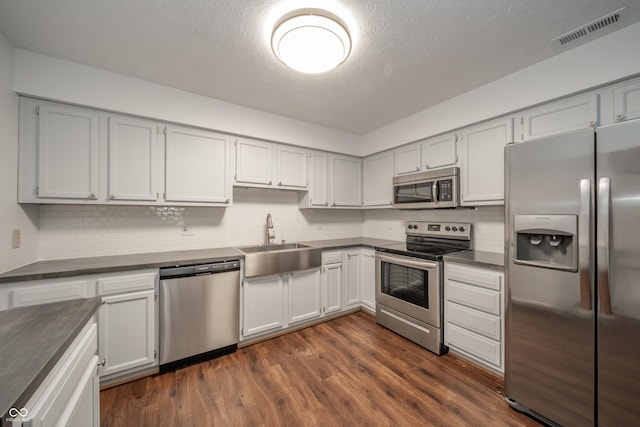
(33, 341)
(107, 264)
(493, 260)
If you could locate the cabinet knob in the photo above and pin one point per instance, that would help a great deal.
(417, 168)
(620, 117)
(111, 197)
(270, 183)
(333, 204)
(280, 183)
(592, 123)
(326, 203)
(226, 202)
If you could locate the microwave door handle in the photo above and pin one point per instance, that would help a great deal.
(434, 191)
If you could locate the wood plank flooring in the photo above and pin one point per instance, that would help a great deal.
(345, 372)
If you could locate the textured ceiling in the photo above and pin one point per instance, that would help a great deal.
(408, 55)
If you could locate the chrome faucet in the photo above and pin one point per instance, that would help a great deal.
(270, 234)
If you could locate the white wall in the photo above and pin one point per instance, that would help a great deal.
(607, 59)
(68, 231)
(12, 216)
(51, 78)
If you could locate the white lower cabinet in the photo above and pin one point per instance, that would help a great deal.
(351, 293)
(368, 279)
(263, 303)
(69, 395)
(127, 332)
(304, 295)
(474, 314)
(127, 338)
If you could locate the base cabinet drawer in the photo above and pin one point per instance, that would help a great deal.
(473, 320)
(475, 345)
(474, 297)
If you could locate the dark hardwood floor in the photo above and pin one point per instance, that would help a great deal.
(345, 372)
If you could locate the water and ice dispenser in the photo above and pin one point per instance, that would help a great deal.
(549, 241)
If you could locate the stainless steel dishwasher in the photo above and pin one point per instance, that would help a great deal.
(199, 312)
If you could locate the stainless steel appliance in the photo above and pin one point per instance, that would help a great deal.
(427, 190)
(199, 312)
(409, 280)
(573, 277)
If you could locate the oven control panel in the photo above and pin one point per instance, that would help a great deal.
(450, 230)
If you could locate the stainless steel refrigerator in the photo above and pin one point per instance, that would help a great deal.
(573, 276)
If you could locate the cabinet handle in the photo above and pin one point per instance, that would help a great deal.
(102, 362)
(92, 196)
(333, 204)
(426, 165)
(592, 123)
(226, 202)
(280, 183)
(111, 197)
(270, 183)
(417, 168)
(455, 138)
(620, 117)
(326, 203)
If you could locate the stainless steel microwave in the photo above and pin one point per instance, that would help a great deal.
(427, 190)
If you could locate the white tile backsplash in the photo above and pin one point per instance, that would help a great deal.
(488, 223)
(69, 231)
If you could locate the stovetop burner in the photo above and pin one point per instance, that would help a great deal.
(430, 240)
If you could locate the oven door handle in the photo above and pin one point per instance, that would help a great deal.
(407, 262)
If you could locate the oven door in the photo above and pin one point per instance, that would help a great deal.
(415, 194)
(409, 285)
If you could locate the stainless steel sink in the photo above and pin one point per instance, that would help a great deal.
(282, 258)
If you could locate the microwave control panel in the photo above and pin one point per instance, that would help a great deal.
(445, 193)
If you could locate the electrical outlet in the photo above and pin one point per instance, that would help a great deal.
(187, 230)
(15, 239)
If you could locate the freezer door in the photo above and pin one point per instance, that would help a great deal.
(618, 165)
(550, 324)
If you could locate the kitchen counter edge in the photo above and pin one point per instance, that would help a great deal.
(52, 269)
(492, 260)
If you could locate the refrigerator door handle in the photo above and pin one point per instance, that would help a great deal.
(604, 208)
(584, 251)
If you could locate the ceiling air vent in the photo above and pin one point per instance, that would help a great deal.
(590, 28)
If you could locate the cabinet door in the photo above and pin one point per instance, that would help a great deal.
(292, 167)
(263, 304)
(368, 279)
(254, 162)
(197, 167)
(319, 179)
(482, 174)
(69, 394)
(559, 117)
(332, 284)
(133, 159)
(407, 159)
(377, 182)
(68, 156)
(304, 295)
(127, 332)
(626, 102)
(352, 278)
(440, 151)
(346, 181)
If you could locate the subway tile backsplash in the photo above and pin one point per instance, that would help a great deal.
(71, 231)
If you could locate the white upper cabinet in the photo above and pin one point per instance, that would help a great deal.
(318, 194)
(268, 165)
(482, 169)
(133, 159)
(197, 166)
(346, 181)
(439, 151)
(292, 167)
(626, 101)
(377, 180)
(407, 159)
(67, 153)
(254, 160)
(558, 117)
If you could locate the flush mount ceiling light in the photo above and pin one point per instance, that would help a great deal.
(311, 40)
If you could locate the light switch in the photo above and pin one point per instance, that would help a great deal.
(15, 239)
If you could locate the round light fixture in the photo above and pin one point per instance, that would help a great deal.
(311, 41)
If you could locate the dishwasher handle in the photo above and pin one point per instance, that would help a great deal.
(199, 269)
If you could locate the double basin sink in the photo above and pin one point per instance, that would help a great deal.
(281, 258)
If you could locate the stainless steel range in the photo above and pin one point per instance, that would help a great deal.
(409, 280)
